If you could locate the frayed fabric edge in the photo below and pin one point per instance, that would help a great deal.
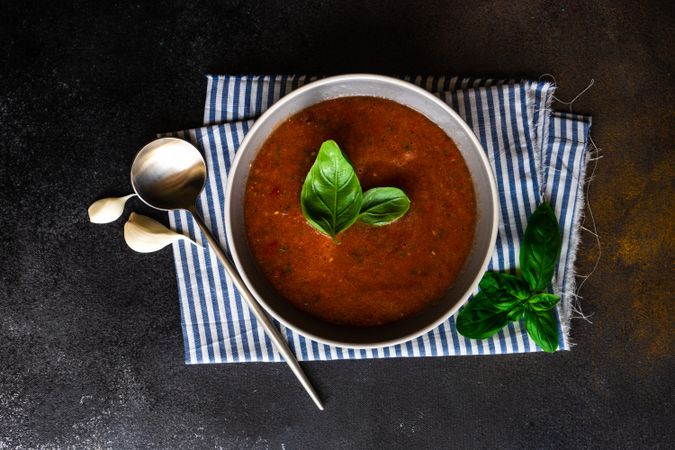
(570, 299)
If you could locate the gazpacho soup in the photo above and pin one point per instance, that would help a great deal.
(365, 275)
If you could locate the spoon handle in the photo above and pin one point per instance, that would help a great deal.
(258, 312)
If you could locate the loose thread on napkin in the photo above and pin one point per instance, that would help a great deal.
(596, 155)
(575, 311)
(576, 97)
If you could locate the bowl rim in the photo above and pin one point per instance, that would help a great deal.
(403, 84)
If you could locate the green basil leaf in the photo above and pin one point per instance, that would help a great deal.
(542, 327)
(498, 284)
(504, 302)
(480, 318)
(331, 195)
(383, 205)
(543, 302)
(517, 312)
(540, 248)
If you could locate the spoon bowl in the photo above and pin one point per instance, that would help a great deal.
(168, 173)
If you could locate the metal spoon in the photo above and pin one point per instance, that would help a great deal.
(170, 173)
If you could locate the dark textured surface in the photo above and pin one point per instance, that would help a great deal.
(90, 345)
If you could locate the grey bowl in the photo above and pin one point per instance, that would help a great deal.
(484, 187)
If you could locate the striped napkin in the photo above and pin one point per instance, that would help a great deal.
(535, 153)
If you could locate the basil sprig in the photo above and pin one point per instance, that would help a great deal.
(505, 298)
(332, 199)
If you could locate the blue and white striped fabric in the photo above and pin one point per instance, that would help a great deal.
(536, 154)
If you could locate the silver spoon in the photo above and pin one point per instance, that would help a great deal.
(170, 173)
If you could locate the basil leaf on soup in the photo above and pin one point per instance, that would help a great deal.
(331, 195)
(540, 248)
(543, 302)
(480, 318)
(496, 284)
(542, 328)
(383, 205)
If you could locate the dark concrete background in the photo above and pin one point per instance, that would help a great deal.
(90, 348)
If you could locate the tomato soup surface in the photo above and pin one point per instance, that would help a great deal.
(375, 275)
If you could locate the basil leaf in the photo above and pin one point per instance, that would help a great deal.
(543, 302)
(383, 205)
(480, 318)
(504, 302)
(496, 284)
(331, 195)
(516, 313)
(540, 248)
(542, 327)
